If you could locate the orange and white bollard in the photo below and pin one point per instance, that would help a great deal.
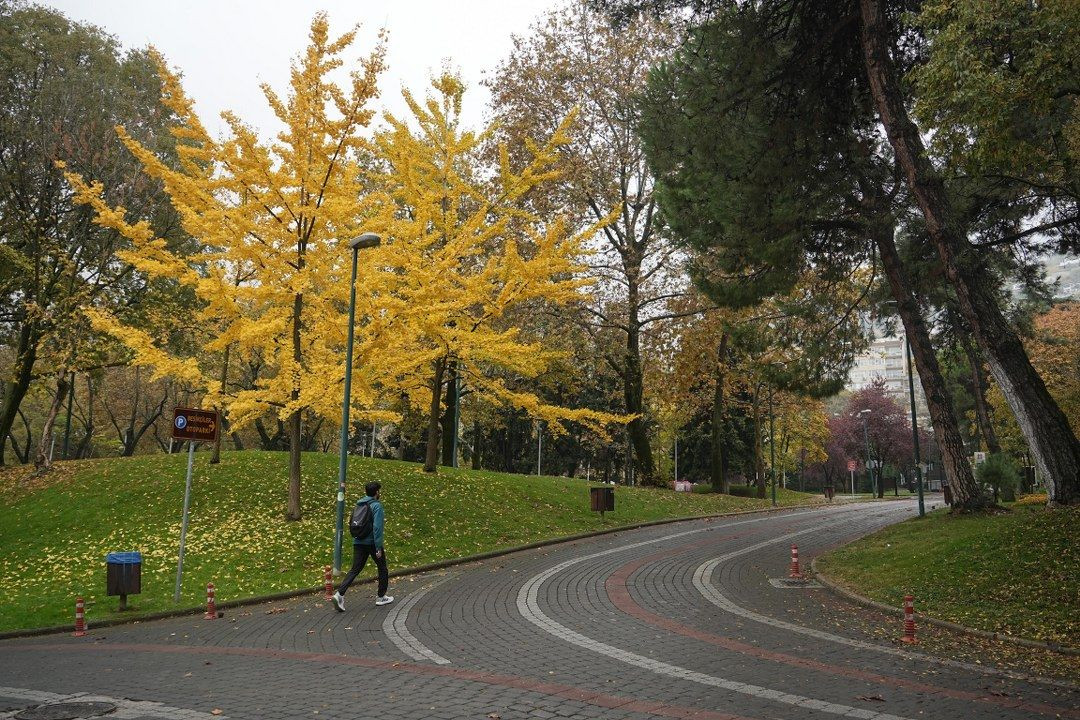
(328, 583)
(909, 620)
(211, 605)
(80, 617)
(795, 574)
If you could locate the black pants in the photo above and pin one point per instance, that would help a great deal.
(360, 555)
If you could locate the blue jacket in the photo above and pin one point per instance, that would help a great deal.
(376, 537)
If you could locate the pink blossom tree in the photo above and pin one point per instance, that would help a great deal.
(888, 430)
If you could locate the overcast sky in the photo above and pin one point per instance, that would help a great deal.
(226, 48)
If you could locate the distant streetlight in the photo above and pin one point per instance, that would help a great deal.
(367, 240)
(914, 429)
(772, 449)
(457, 415)
(772, 434)
(676, 457)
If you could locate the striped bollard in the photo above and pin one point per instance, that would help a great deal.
(795, 574)
(211, 605)
(909, 620)
(328, 583)
(80, 617)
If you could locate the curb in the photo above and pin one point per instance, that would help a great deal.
(404, 572)
(844, 592)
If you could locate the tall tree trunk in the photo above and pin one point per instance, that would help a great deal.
(15, 388)
(633, 395)
(431, 458)
(978, 391)
(946, 428)
(475, 444)
(81, 452)
(238, 442)
(1055, 447)
(716, 471)
(295, 425)
(268, 441)
(42, 460)
(23, 454)
(507, 450)
(448, 424)
(215, 456)
(127, 438)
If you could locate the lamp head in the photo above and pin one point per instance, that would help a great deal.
(367, 240)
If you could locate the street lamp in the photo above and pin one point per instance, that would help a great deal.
(772, 435)
(866, 440)
(914, 429)
(367, 240)
(772, 449)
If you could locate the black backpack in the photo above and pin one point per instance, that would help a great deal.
(360, 522)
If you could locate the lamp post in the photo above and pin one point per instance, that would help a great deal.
(457, 414)
(367, 240)
(676, 458)
(915, 430)
(772, 449)
(866, 440)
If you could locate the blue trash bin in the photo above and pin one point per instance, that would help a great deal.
(123, 575)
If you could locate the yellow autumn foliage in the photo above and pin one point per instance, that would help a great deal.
(466, 249)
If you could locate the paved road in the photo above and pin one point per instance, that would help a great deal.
(673, 621)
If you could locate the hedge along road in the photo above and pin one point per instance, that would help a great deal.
(670, 621)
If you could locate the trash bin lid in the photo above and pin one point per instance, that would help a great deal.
(124, 558)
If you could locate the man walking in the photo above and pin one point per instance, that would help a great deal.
(369, 543)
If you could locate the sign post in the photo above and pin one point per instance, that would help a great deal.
(852, 466)
(191, 425)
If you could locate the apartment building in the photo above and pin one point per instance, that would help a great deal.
(885, 358)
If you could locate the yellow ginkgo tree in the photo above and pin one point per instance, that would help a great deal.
(470, 256)
(272, 220)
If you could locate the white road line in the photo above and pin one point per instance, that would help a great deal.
(530, 610)
(395, 629)
(703, 583)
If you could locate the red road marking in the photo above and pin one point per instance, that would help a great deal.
(567, 692)
(619, 594)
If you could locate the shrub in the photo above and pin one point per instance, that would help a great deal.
(998, 473)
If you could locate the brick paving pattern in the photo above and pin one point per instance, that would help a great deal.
(670, 621)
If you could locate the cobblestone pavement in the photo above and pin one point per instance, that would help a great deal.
(674, 621)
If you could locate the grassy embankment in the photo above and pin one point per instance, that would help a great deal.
(1013, 572)
(56, 531)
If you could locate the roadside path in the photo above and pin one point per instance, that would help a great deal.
(670, 621)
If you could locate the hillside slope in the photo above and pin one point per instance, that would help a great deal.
(55, 533)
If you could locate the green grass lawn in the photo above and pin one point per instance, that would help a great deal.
(1013, 572)
(56, 532)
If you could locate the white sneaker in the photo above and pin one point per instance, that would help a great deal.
(384, 600)
(339, 602)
